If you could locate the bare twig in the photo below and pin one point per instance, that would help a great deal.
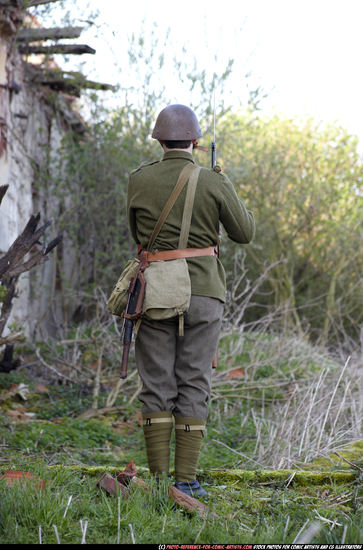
(349, 462)
(330, 403)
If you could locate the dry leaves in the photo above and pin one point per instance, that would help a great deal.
(16, 476)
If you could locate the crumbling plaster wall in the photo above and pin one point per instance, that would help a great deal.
(30, 128)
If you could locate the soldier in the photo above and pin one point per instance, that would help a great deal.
(176, 371)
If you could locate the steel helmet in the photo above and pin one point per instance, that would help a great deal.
(177, 123)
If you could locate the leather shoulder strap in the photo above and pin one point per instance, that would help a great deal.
(182, 180)
(188, 208)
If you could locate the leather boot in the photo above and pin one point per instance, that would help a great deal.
(157, 428)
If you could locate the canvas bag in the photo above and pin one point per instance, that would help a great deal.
(168, 287)
(117, 301)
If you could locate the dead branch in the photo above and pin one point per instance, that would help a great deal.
(38, 258)
(30, 236)
(66, 49)
(54, 33)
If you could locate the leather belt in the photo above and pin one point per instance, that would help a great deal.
(165, 255)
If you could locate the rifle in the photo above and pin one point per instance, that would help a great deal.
(213, 163)
(133, 312)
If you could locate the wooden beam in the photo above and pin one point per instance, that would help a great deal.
(31, 3)
(65, 49)
(24, 4)
(9, 3)
(35, 35)
(66, 81)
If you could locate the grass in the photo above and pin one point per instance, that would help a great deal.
(276, 403)
(254, 511)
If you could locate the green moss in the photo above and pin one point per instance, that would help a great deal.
(303, 478)
(353, 452)
(97, 470)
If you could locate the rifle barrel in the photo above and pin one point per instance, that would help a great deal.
(213, 150)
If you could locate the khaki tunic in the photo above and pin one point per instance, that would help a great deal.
(215, 201)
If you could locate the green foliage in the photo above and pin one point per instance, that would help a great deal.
(302, 181)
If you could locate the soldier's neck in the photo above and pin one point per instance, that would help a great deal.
(188, 150)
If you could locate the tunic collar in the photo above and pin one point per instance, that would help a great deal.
(178, 155)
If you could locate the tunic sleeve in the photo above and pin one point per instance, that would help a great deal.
(238, 222)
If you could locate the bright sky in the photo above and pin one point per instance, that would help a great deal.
(306, 53)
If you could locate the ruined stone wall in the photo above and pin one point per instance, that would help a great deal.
(30, 128)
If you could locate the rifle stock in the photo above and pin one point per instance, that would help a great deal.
(125, 359)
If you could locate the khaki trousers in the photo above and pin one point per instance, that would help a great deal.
(176, 371)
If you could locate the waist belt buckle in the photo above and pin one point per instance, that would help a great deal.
(187, 428)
